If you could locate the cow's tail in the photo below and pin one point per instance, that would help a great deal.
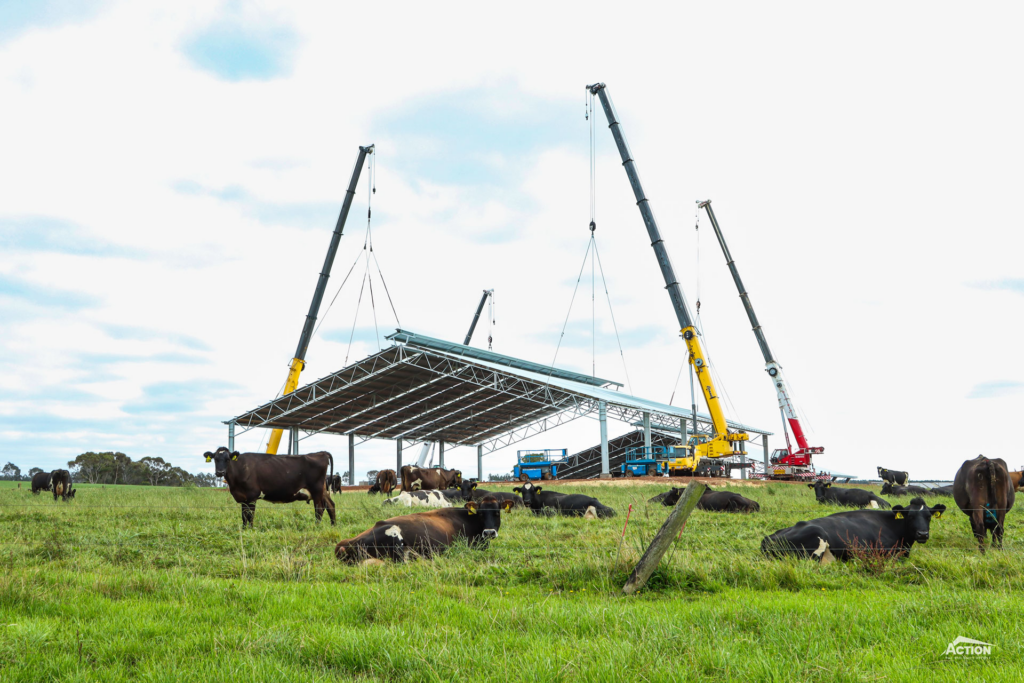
(330, 476)
(996, 485)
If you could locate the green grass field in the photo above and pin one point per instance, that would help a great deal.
(160, 584)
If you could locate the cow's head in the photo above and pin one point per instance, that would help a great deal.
(221, 457)
(489, 514)
(820, 487)
(374, 489)
(887, 488)
(530, 494)
(881, 471)
(673, 497)
(456, 480)
(466, 489)
(916, 519)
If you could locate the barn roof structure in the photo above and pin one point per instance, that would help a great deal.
(423, 389)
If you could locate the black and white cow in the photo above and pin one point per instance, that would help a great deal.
(425, 499)
(844, 535)
(851, 498)
(893, 476)
(568, 504)
(908, 490)
(424, 534)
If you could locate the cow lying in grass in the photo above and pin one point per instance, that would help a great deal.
(568, 504)
(424, 533)
(712, 501)
(908, 490)
(851, 498)
(845, 535)
(469, 491)
(424, 499)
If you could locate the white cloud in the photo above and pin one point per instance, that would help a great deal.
(862, 178)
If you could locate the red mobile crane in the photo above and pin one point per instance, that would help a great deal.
(786, 463)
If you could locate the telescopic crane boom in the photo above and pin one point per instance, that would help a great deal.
(476, 318)
(801, 457)
(723, 444)
(299, 360)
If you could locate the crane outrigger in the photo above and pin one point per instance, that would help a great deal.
(786, 463)
(722, 443)
(299, 360)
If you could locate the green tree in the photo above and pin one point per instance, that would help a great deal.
(157, 469)
(11, 471)
(34, 471)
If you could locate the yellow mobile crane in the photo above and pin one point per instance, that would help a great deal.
(722, 443)
(299, 360)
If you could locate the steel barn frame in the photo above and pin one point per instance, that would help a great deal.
(425, 389)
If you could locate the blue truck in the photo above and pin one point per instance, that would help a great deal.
(539, 464)
(642, 461)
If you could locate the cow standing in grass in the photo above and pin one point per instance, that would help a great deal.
(984, 492)
(41, 482)
(429, 478)
(386, 482)
(845, 535)
(276, 479)
(60, 481)
(893, 476)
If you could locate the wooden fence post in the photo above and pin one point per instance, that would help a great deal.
(652, 556)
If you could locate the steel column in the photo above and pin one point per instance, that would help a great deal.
(293, 440)
(440, 454)
(351, 459)
(647, 435)
(231, 437)
(602, 416)
(398, 457)
(479, 463)
(764, 440)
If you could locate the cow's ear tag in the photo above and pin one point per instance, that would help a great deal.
(471, 506)
(474, 485)
(937, 514)
(828, 485)
(234, 456)
(899, 515)
(208, 458)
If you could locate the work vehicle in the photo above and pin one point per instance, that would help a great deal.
(786, 463)
(722, 443)
(641, 461)
(539, 464)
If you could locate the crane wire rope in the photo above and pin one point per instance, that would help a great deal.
(615, 326)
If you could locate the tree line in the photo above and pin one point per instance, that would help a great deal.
(117, 468)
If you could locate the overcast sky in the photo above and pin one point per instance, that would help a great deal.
(171, 173)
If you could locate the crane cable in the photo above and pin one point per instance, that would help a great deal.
(595, 259)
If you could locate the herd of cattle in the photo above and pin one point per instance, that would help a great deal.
(983, 489)
(58, 481)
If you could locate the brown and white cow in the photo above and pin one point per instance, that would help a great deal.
(60, 481)
(424, 533)
(984, 492)
(275, 479)
(386, 482)
(427, 478)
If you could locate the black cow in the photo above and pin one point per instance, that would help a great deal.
(893, 476)
(40, 482)
(984, 492)
(943, 491)
(334, 483)
(276, 479)
(851, 498)
(60, 481)
(569, 504)
(710, 500)
(889, 489)
(847, 534)
(469, 491)
(424, 533)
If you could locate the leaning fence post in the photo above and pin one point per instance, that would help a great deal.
(652, 556)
